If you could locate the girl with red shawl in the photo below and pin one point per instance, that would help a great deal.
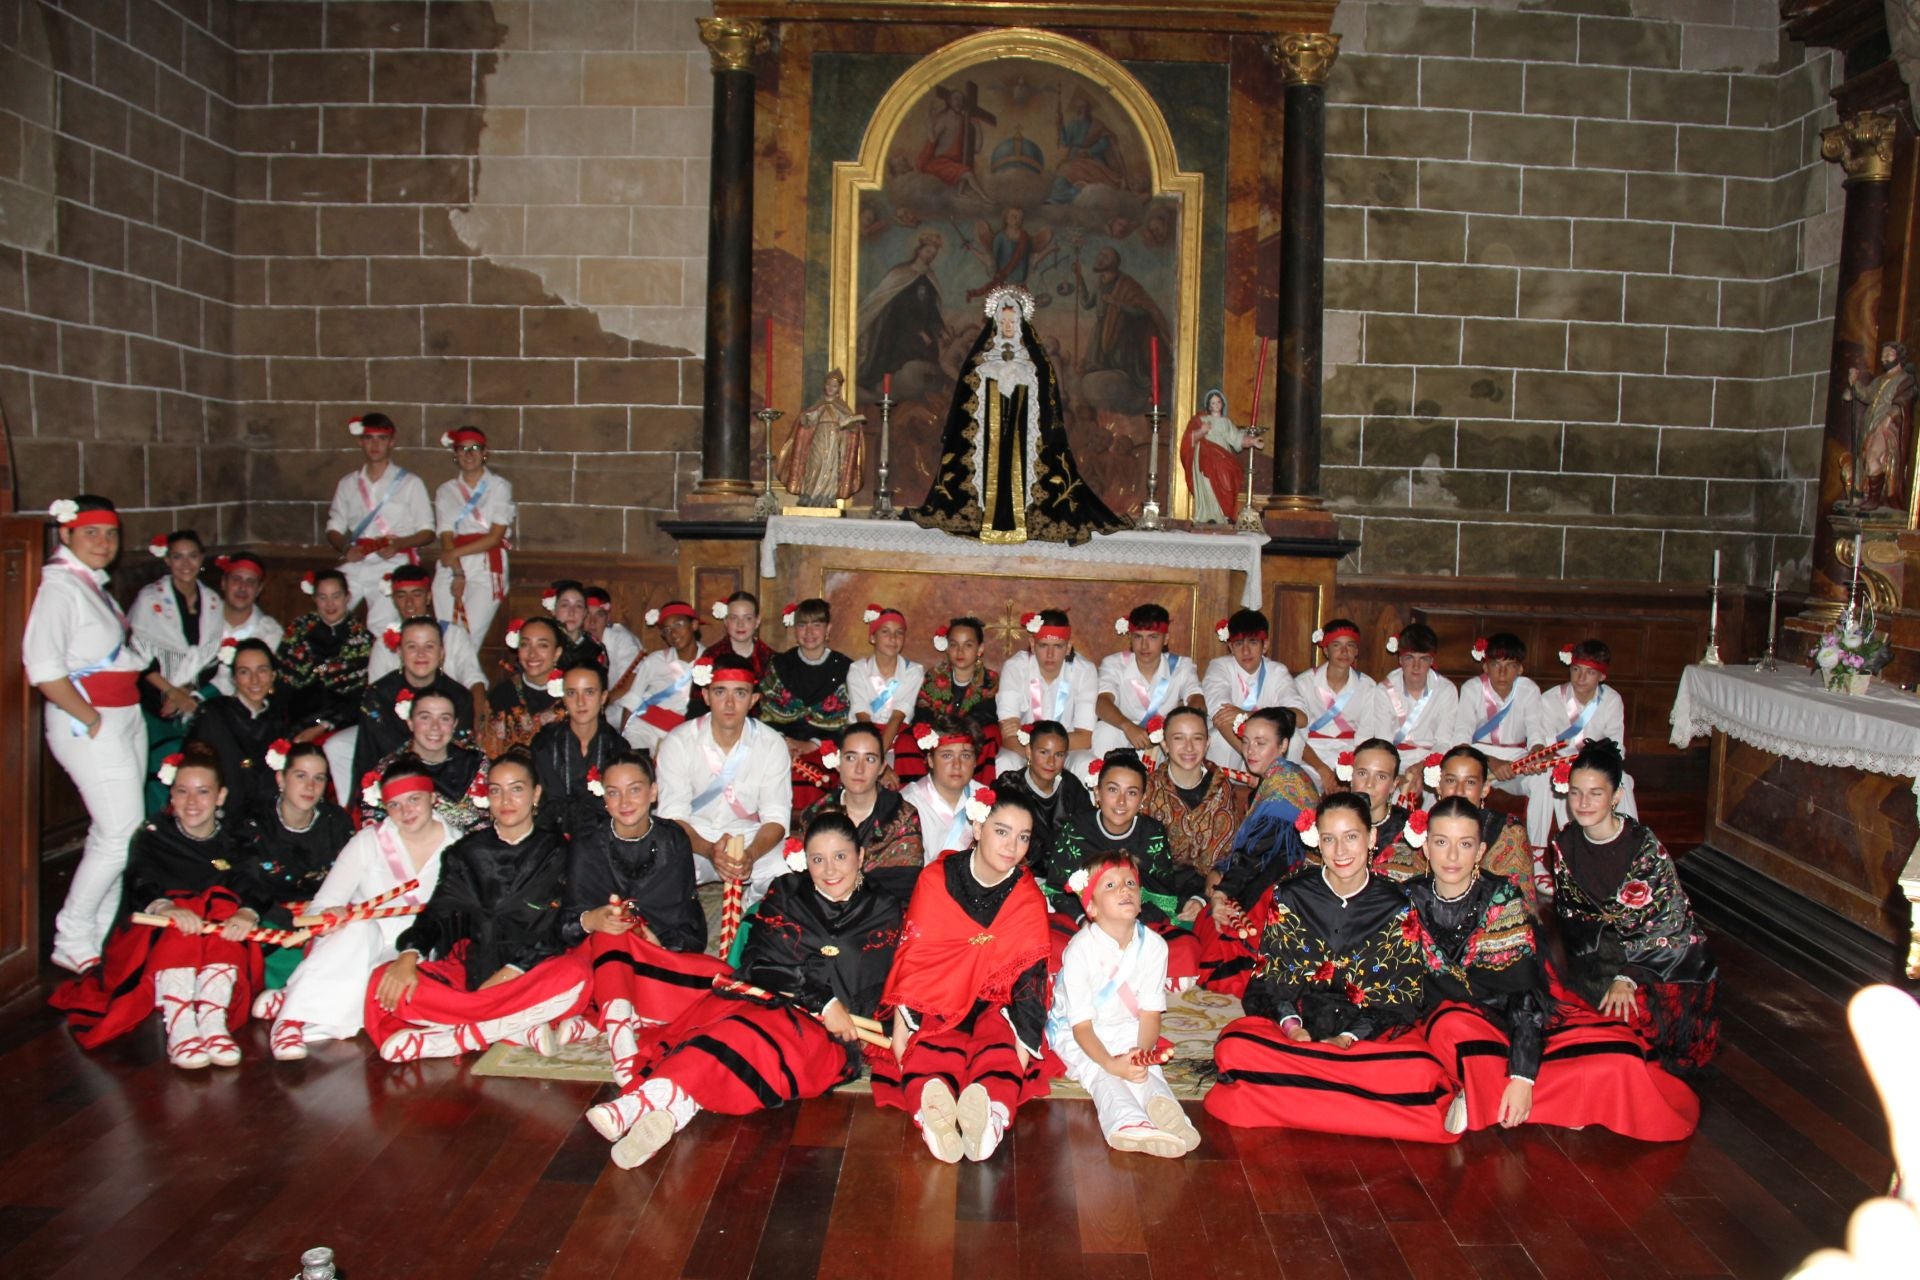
(968, 991)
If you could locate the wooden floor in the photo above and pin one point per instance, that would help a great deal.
(115, 1164)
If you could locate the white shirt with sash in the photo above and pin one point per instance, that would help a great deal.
(394, 506)
(1357, 712)
(1140, 698)
(1424, 724)
(1475, 719)
(1069, 698)
(657, 702)
(877, 696)
(941, 827)
(727, 793)
(1228, 684)
(258, 625)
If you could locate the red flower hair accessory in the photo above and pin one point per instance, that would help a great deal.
(1430, 769)
(1307, 827)
(1343, 766)
(1416, 829)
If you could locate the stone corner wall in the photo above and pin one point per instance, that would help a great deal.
(1579, 283)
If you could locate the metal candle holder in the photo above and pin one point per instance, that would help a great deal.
(1249, 521)
(1768, 662)
(1150, 509)
(1711, 658)
(766, 506)
(883, 508)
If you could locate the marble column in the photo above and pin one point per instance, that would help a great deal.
(1304, 60)
(726, 448)
(1862, 144)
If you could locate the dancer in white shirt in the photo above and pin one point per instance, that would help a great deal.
(1423, 703)
(884, 688)
(656, 702)
(1584, 709)
(1050, 682)
(1139, 687)
(1243, 682)
(379, 516)
(241, 617)
(1343, 706)
(1499, 708)
(473, 513)
(952, 748)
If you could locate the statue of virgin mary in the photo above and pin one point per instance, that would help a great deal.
(1006, 471)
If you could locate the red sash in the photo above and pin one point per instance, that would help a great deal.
(946, 960)
(496, 560)
(111, 688)
(661, 718)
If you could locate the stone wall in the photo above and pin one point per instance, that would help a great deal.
(115, 282)
(1579, 285)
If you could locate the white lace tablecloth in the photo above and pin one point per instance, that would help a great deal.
(1237, 552)
(1790, 713)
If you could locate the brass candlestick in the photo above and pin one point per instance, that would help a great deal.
(766, 506)
(1150, 509)
(1249, 521)
(883, 508)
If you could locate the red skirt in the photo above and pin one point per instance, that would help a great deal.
(1594, 1071)
(1387, 1088)
(739, 1056)
(660, 984)
(442, 998)
(117, 994)
(1227, 961)
(1678, 1021)
(984, 1053)
(1183, 952)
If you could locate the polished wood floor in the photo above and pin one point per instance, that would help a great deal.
(114, 1164)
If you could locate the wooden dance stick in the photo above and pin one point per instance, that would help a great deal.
(276, 937)
(868, 1031)
(733, 897)
(1539, 760)
(361, 910)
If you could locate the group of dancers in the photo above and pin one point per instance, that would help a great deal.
(963, 882)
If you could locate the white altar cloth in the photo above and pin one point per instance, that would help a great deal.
(1790, 713)
(1236, 552)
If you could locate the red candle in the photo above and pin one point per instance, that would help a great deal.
(1153, 358)
(766, 400)
(1259, 376)
(886, 386)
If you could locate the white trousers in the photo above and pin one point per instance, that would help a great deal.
(1223, 752)
(477, 597)
(364, 580)
(339, 748)
(328, 991)
(110, 771)
(1117, 1103)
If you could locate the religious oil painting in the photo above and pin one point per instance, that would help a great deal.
(1038, 165)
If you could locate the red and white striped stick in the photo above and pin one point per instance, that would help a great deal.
(275, 937)
(358, 910)
(869, 1031)
(733, 898)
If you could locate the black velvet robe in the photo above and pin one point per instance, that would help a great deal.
(1085, 838)
(239, 740)
(561, 767)
(656, 872)
(503, 900)
(383, 731)
(1070, 800)
(815, 951)
(279, 866)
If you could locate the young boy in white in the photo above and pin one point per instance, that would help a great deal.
(1424, 702)
(1243, 682)
(1105, 1019)
(1139, 687)
(884, 688)
(1499, 709)
(656, 704)
(1344, 706)
(380, 513)
(1570, 715)
(1048, 683)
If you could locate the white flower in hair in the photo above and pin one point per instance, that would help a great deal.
(1566, 657)
(1430, 776)
(370, 793)
(446, 440)
(1318, 635)
(276, 756)
(1306, 825)
(940, 640)
(356, 427)
(556, 685)
(702, 672)
(512, 638)
(386, 584)
(169, 769)
(1121, 626)
(226, 651)
(1025, 736)
(1479, 651)
(719, 611)
(653, 617)
(1393, 644)
(1156, 736)
(549, 600)
(1032, 623)
(1222, 633)
(63, 510)
(1240, 722)
(796, 856)
(1415, 832)
(158, 546)
(979, 804)
(306, 583)
(1077, 882)
(870, 614)
(928, 738)
(403, 704)
(595, 787)
(786, 615)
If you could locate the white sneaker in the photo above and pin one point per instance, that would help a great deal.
(1457, 1113)
(612, 1119)
(1147, 1140)
(652, 1131)
(983, 1122)
(1169, 1116)
(938, 1119)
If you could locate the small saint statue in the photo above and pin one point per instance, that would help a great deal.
(1883, 442)
(1209, 450)
(821, 463)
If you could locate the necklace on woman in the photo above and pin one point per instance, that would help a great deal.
(1441, 897)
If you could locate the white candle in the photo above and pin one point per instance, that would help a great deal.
(1716, 570)
(1773, 607)
(1853, 586)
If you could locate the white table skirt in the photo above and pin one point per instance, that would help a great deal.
(1790, 713)
(1236, 552)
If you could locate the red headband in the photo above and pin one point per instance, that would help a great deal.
(677, 610)
(93, 517)
(1048, 631)
(880, 617)
(1581, 660)
(921, 732)
(1161, 627)
(1093, 877)
(1329, 637)
(404, 787)
(466, 435)
(733, 675)
(227, 564)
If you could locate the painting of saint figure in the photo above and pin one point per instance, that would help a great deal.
(1021, 173)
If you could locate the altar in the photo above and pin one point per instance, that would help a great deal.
(933, 576)
(1812, 834)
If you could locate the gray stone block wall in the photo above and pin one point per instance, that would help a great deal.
(1579, 288)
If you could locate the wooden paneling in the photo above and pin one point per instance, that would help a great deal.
(22, 540)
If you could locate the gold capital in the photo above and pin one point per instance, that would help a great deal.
(733, 42)
(1305, 59)
(1863, 145)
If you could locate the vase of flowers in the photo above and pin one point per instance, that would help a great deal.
(1851, 654)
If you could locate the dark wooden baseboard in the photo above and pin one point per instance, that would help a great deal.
(1828, 950)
